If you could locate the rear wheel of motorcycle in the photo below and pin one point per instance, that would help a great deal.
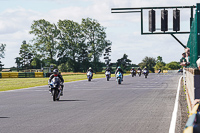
(145, 76)
(89, 79)
(107, 78)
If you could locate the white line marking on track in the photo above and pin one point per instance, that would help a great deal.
(174, 114)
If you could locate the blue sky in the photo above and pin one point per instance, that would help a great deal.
(123, 30)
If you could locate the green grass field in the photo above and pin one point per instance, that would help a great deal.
(20, 83)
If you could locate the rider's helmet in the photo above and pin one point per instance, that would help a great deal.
(90, 68)
(118, 67)
(132, 67)
(55, 72)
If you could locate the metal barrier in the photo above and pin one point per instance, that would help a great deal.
(193, 123)
(9, 75)
(39, 75)
(22, 75)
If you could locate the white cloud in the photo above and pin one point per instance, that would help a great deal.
(122, 29)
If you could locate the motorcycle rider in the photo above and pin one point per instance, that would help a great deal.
(119, 70)
(145, 68)
(90, 70)
(139, 69)
(159, 70)
(108, 69)
(55, 74)
(133, 69)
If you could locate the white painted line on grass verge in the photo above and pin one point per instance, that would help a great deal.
(174, 114)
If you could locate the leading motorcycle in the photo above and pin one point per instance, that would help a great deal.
(56, 88)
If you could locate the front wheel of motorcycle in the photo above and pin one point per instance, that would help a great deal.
(119, 81)
(107, 78)
(54, 94)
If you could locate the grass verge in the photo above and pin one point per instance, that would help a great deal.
(20, 83)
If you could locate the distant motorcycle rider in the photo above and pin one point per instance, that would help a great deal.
(108, 69)
(119, 70)
(159, 70)
(134, 71)
(139, 69)
(57, 74)
(145, 68)
(90, 70)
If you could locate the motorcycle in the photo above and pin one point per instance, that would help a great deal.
(55, 88)
(133, 73)
(145, 72)
(139, 72)
(107, 73)
(119, 77)
(89, 75)
(159, 71)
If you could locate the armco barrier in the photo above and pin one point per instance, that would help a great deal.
(165, 71)
(5, 75)
(21, 75)
(193, 123)
(39, 75)
(9, 75)
(26, 75)
(14, 75)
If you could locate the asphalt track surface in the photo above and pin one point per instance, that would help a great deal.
(138, 105)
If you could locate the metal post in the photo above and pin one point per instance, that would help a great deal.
(141, 21)
(179, 41)
(191, 18)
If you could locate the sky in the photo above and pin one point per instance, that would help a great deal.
(123, 30)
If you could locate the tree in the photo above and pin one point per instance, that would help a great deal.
(45, 38)
(26, 55)
(64, 67)
(95, 37)
(19, 62)
(2, 50)
(124, 62)
(72, 38)
(172, 66)
(36, 63)
(149, 62)
(159, 59)
(159, 64)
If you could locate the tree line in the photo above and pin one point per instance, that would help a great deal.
(68, 45)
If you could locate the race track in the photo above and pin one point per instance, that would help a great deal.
(138, 105)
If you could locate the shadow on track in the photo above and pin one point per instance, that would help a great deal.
(71, 100)
(4, 117)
